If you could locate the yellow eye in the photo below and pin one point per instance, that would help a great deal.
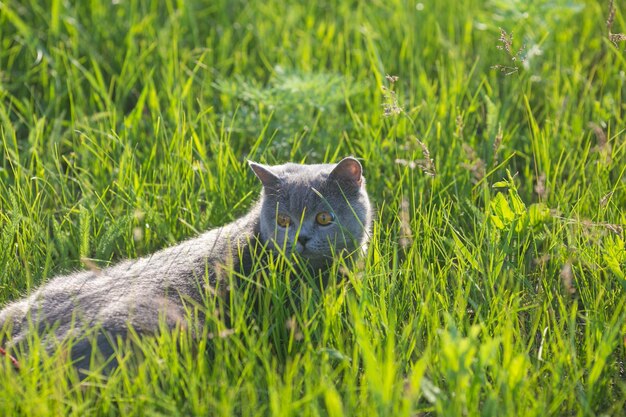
(283, 220)
(324, 218)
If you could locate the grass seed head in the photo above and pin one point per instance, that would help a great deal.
(613, 37)
(506, 45)
(496, 143)
(391, 107)
(427, 165)
(459, 126)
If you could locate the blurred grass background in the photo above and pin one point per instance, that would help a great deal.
(495, 280)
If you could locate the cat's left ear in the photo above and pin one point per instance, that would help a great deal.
(265, 174)
(348, 170)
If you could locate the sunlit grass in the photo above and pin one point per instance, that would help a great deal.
(494, 282)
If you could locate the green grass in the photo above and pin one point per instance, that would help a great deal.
(125, 127)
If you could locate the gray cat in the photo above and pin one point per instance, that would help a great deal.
(311, 212)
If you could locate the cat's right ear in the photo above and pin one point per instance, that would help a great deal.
(348, 170)
(265, 174)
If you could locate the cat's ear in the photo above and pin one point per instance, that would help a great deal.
(348, 170)
(265, 174)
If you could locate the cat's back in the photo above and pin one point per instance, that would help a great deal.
(135, 289)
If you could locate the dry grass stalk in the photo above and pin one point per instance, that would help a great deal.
(137, 234)
(292, 325)
(406, 234)
(613, 37)
(540, 186)
(542, 260)
(427, 165)
(496, 144)
(600, 135)
(222, 334)
(392, 78)
(91, 265)
(605, 199)
(567, 276)
(617, 37)
(615, 228)
(603, 147)
(590, 226)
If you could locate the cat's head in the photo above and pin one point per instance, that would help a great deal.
(316, 211)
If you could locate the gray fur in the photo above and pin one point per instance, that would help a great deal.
(144, 291)
(301, 192)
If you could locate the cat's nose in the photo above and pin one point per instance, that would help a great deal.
(303, 239)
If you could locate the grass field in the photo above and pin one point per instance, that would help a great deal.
(495, 283)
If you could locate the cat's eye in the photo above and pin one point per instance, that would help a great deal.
(324, 218)
(283, 220)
